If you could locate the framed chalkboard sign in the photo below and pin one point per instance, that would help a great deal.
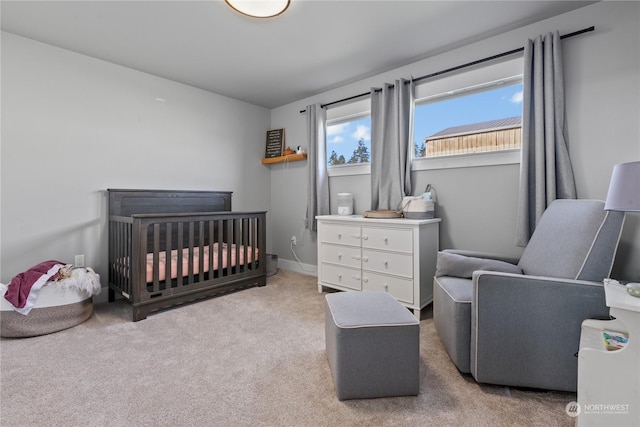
(275, 143)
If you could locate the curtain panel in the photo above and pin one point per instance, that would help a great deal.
(391, 144)
(317, 178)
(545, 168)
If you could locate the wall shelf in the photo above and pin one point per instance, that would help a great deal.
(282, 159)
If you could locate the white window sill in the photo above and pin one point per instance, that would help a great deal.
(346, 170)
(505, 157)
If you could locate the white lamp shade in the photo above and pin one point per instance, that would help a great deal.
(259, 8)
(624, 188)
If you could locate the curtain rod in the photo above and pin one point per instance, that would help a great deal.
(459, 67)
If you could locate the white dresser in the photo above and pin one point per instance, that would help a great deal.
(392, 255)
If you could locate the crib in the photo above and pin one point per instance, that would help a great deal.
(169, 247)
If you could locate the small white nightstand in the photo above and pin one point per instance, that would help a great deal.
(609, 381)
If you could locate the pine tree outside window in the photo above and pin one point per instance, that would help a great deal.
(349, 141)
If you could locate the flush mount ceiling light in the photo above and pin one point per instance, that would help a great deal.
(259, 8)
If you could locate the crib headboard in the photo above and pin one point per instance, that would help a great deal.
(129, 202)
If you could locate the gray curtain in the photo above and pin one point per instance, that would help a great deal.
(391, 144)
(545, 169)
(317, 178)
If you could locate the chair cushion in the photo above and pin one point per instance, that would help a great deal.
(563, 240)
(450, 264)
(452, 317)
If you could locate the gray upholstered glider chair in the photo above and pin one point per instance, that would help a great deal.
(517, 322)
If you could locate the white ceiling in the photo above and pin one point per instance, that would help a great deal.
(312, 47)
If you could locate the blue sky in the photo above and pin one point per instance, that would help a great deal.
(480, 107)
(433, 117)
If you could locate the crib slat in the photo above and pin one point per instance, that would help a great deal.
(229, 245)
(220, 242)
(113, 254)
(167, 264)
(156, 257)
(120, 255)
(139, 247)
(190, 253)
(179, 246)
(253, 242)
(210, 258)
(127, 250)
(245, 241)
(201, 250)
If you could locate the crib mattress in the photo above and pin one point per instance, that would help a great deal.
(182, 257)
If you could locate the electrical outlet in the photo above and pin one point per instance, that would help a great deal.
(79, 261)
(294, 241)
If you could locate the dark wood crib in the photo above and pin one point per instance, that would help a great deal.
(170, 247)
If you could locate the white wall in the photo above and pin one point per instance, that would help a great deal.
(478, 205)
(74, 126)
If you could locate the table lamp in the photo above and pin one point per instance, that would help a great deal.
(624, 195)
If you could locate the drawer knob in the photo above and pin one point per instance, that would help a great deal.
(356, 277)
(339, 276)
(365, 237)
(339, 256)
(386, 288)
(386, 240)
(355, 236)
(356, 257)
(365, 279)
(339, 235)
(365, 259)
(386, 263)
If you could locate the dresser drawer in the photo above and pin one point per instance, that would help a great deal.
(401, 289)
(388, 239)
(342, 276)
(341, 254)
(341, 234)
(388, 262)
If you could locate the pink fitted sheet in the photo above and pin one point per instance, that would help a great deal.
(183, 257)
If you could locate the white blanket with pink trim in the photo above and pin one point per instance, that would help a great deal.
(24, 288)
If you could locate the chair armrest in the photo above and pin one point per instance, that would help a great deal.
(525, 330)
(485, 255)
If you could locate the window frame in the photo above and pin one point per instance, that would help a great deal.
(344, 113)
(471, 81)
(504, 70)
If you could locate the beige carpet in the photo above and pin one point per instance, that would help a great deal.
(251, 358)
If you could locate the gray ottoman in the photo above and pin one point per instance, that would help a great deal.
(373, 345)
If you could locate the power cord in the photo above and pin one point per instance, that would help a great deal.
(292, 243)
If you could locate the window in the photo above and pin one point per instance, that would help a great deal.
(468, 118)
(458, 116)
(348, 138)
(471, 120)
(349, 141)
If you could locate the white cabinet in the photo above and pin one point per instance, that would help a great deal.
(391, 255)
(609, 381)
